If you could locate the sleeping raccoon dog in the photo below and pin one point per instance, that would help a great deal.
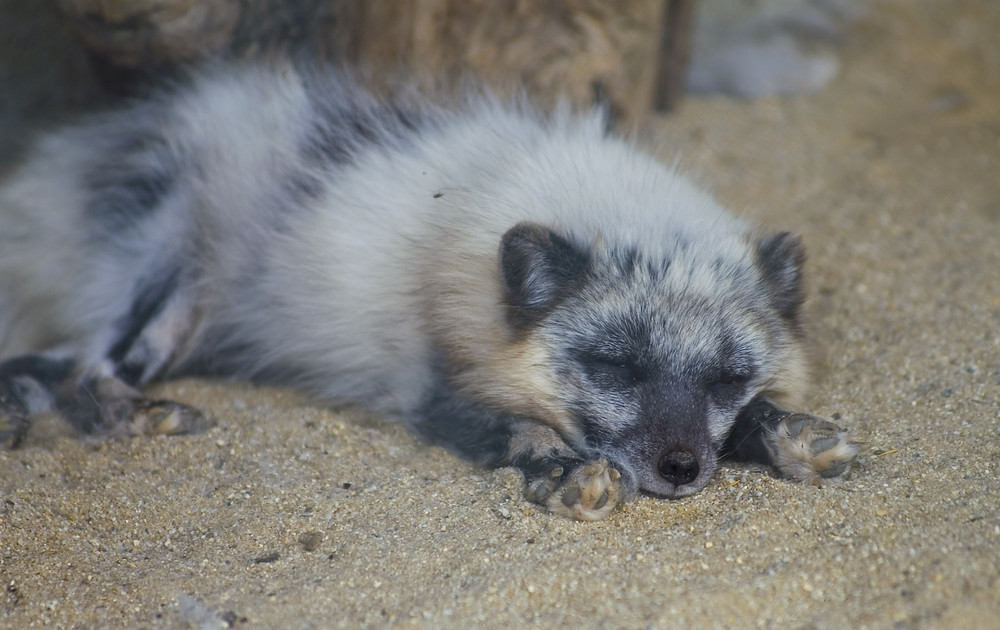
(520, 288)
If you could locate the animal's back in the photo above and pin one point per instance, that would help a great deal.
(397, 269)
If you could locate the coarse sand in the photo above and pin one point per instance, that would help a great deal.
(286, 514)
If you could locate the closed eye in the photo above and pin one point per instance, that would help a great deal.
(730, 384)
(611, 370)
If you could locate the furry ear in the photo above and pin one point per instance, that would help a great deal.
(538, 268)
(781, 257)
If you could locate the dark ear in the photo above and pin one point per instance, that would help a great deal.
(539, 268)
(780, 257)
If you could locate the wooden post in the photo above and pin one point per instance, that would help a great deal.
(674, 53)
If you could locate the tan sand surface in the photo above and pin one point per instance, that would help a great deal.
(288, 515)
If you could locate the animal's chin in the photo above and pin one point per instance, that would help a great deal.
(673, 493)
(657, 486)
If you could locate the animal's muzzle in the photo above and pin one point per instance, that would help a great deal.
(679, 470)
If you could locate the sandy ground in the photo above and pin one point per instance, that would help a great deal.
(290, 515)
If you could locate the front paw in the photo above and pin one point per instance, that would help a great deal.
(586, 492)
(810, 449)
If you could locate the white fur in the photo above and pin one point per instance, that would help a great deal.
(394, 261)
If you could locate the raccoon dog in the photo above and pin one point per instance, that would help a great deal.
(520, 288)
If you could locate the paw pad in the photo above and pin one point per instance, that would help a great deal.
(811, 449)
(164, 417)
(588, 493)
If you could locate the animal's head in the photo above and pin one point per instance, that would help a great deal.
(653, 354)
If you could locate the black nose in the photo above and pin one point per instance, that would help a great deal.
(679, 467)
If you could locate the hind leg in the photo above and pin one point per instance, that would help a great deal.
(27, 388)
(103, 396)
(100, 403)
(89, 399)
